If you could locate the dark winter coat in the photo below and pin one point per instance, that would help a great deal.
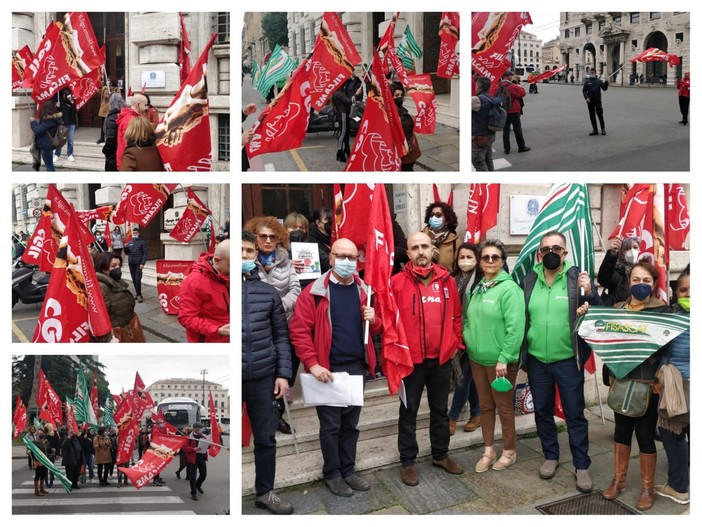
(118, 299)
(110, 146)
(323, 242)
(136, 251)
(40, 129)
(72, 452)
(143, 158)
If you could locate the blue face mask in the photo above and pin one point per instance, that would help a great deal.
(641, 291)
(436, 223)
(248, 265)
(344, 268)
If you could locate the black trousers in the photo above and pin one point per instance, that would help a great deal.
(200, 466)
(136, 272)
(684, 107)
(595, 107)
(644, 427)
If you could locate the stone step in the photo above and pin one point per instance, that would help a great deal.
(88, 156)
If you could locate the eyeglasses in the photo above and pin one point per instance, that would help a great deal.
(438, 214)
(556, 249)
(489, 258)
(264, 237)
(348, 257)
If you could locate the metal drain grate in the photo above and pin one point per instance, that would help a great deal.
(592, 503)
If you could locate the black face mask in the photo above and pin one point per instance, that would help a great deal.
(297, 236)
(327, 228)
(552, 261)
(116, 274)
(398, 101)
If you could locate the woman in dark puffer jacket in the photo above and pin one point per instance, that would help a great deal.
(119, 300)
(44, 129)
(116, 103)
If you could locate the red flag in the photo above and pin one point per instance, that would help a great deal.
(483, 204)
(380, 255)
(183, 136)
(128, 427)
(380, 141)
(213, 450)
(94, 395)
(19, 418)
(590, 365)
(449, 28)
(213, 238)
(421, 90)
(71, 422)
(101, 213)
(546, 74)
(558, 406)
(161, 426)
(140, 202)
(656, 55)
(20, 60)
(437, 197)
(492, 37)
(159, 454)
(389, 51)
(192, 220)
(169, 277)
(183, 51)
(86, 87)
(333, 59)
(140, 397)
(677, 218)
(73, 308)
(351, 217)
(632, 209)
(653, 241)
(245, 426)
(106, 234)
(130, 93)
(48, 402)
(283, 124)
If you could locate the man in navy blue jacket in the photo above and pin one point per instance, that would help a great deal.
(136, 258)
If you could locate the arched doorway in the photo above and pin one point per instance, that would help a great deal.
(613, 62)
(589, 57)
(655, 69)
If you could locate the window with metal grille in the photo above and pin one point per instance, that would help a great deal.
(224, 143)
(634, 18)
(25, 203)
(655, 15)
(223, 27)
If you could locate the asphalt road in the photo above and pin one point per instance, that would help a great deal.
(643, 133)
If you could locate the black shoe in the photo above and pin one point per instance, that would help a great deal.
(100, 141)
(199, 489)
(506, 151)
(139, 299)
(284, 427)
(682, 122)
(594, 132)
(524, 149)
(194, 496)
(178, 474)
(603, 132)
(339, 487)
(347, 151)
(340, 156)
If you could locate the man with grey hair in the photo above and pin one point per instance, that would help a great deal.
(483, 137)
(138, 107)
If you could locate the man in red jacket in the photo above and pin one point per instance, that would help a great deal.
(514, 112)
(326, 331)
(204, 297)
(138, 107)
(428, 301)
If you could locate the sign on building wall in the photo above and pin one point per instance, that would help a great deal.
(153, 79)
(523, 210)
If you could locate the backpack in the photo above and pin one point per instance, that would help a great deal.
(497, 117)
(503, 94)
(60, 138)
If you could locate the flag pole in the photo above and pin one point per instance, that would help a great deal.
(366, 327)
(616, 71)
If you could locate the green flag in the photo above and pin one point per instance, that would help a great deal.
(408, 49)
(37, 423)
(255, 72)
(83, 409)
(277, 68)
(41, 457)
(108, 417)
(623, 339)
(566, 210)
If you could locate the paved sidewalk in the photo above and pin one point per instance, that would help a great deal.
(154, 320)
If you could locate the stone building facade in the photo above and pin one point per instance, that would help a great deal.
(192, 388)
(608, 40)
(528, 48)
(551, 54)
(139, 46)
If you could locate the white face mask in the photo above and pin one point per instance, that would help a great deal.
(467, 265)
(631, 256)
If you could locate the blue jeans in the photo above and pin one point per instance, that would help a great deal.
(543, 380)
(47, 157)
(677, 448)
(465, 391)
(69, 143)
(263, 414)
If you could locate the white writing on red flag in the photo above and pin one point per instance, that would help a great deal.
(213, 450)
(493, 35)
(86, 87)
(128, 429)
(333, 59)
(632, 209)
(169, 278)
(161, 426)
(19, 418)
(483, 204)
(48, 402)
(192, 220)
(183, 135)
(100, 213)
(389, 51)
(71, 422)
(283, 124)
(449, 30)
(421, 90)
(352, 214)
(20, 60)
(653, 241)
(141, 202)
(159, 454)
(677, 220)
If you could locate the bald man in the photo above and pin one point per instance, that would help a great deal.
(326, 331)
(204, 297)
(428, 301)
(138, 106)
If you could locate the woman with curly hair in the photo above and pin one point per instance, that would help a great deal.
(441, 226)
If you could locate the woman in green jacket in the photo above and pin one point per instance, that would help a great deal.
(493, 331)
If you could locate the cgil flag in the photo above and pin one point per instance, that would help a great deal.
(39, 456)
(546, 74)
(656, 55)
(20, 60)
(183, 50)
(408, 49)
(632, 209)
(183, 135)
(449, 31)
(19, 418)
(192, 220)
(48, 402)
(483, 205)
(677, 220)
(653, 244)
(566, 210)
(352, 209)
(160, 453)
(421, 90)
(169, 278)
(213, 450)
(277, 69)
(623, 339)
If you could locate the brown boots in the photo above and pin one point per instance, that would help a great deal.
(39, 488)
(648, 472)
(621, 465)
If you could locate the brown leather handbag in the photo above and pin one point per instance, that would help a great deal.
(132, 332)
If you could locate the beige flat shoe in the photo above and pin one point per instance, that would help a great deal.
(485, 462)
(505, 461)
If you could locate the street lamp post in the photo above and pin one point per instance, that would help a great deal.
(203, 373)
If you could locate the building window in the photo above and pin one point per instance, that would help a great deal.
(601, 25)
(634, 44)
(294, 44)
(567, 16)
(223, 133)
(223, 27)
(655, 15)
(567, 33)
(634, 18)
(617, 20)
(588, 29)
(577, 31)
(303, 47)
(679, 37)
(312, 33)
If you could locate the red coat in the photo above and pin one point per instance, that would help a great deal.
(310, 326)
(190, 446)
(407, 293)
(517, 93)
(204, 302)
(684, 87)
(125, 115)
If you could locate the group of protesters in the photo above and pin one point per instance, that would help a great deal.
(457, 303)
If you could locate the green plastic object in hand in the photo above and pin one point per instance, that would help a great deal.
(501, 384)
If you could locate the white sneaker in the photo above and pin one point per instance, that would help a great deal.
(71, 158)
(55, 158)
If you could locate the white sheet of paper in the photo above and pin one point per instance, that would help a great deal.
(402, 394)
(346, 390)
(309, 254)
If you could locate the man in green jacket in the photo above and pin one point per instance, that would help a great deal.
(553, 354)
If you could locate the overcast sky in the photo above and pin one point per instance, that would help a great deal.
(545, 25)
(120, 369)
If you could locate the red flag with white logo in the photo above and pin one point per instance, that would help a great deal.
(546, 74)
(192, 220)
(100, 213)
(128, 427)
(380, 256)
(86, 87)
(653, 244)
(141, 399)
(183, 135)
(333, 59)
(169, 277)
(20, 60)
(161, 426)
(283, 124)
(380, 141)
(71, 423)
(141, 202)
(352, 214)
(656, 55)
(48, 402)
(213, 450)
(449, 31)
(421, 90)
(160, 453)
(632, 209)
(493, 35)
(389, 51)
(677, 217)
(73, 308)
(183, 51)
(483, 204)
(19, 418)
